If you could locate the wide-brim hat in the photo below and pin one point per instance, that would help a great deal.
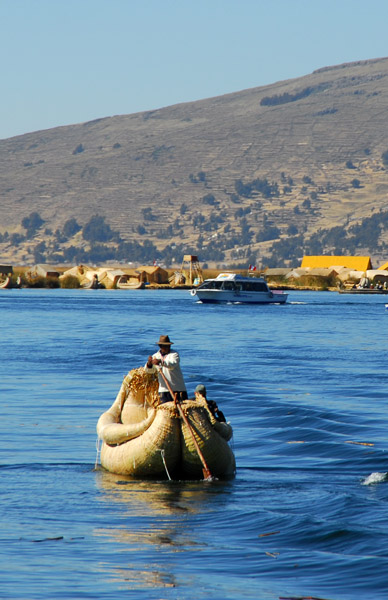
(164, 340)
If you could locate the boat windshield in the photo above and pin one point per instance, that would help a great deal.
(211, 285)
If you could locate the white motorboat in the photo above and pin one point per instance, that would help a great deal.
(232, 287)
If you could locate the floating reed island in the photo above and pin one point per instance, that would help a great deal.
(341, 273)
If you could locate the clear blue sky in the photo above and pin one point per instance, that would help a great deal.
(69, 61)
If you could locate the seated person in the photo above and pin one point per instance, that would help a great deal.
(200, 390)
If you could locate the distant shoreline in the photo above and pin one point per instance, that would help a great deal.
(278, 283)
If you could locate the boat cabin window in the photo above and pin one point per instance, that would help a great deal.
(228, 285)
(211, 285)
(255, 286)
(232, 286)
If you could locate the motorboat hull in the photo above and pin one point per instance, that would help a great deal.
(220, 296)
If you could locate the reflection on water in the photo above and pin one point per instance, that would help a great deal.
(134, 578)
(155, 522)
(141, 498)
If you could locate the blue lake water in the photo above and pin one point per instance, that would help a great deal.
(305, 388)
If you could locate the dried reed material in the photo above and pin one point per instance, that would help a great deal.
(147, 455)
(215, 449)
(155, 441)
(225, 430)
(138, 380)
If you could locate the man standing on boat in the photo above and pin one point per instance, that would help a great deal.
(167, 361)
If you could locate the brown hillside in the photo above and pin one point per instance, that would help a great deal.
(138, 170)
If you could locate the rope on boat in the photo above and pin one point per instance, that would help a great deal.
(98, 451)
(231, 441)
(165, 464)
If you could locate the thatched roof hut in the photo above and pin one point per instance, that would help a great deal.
(356, 275)
(106, 277)
(322, 272)
(112, 276)
(80, 272)
(6, 270)
(155, 274)
(344, 273)
(375, 275)
(277, 273)
(296, 273)
(136, 274)
(43, 271)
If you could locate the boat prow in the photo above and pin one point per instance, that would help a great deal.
(6, 284)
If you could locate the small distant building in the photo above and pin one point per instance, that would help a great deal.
(322, 272)
(276, 272)
(347, 274)
(358, 263)
(79, 272)
(6, 270)
(135, 275)
(377, 275)
(113, 275)
(43, 271)
(105, 276)
(154, 274)
(296, 273)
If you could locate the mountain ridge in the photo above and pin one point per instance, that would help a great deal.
(308, 151)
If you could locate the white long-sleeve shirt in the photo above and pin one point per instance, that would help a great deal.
(171, 370)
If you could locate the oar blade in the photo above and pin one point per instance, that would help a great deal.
(207, 475)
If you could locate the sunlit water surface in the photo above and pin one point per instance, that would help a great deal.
(305, 388)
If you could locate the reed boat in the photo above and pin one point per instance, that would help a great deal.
(6, 283)
(124, 283)
(369, 291)
(142, 438)
(93, 284)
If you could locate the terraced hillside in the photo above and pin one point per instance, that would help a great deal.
(249, 175)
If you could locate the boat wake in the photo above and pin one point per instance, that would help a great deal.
(375, 478)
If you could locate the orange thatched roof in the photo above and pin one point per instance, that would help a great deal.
(383, 267)
(359, 263)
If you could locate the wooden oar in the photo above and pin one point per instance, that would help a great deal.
(206, 471)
